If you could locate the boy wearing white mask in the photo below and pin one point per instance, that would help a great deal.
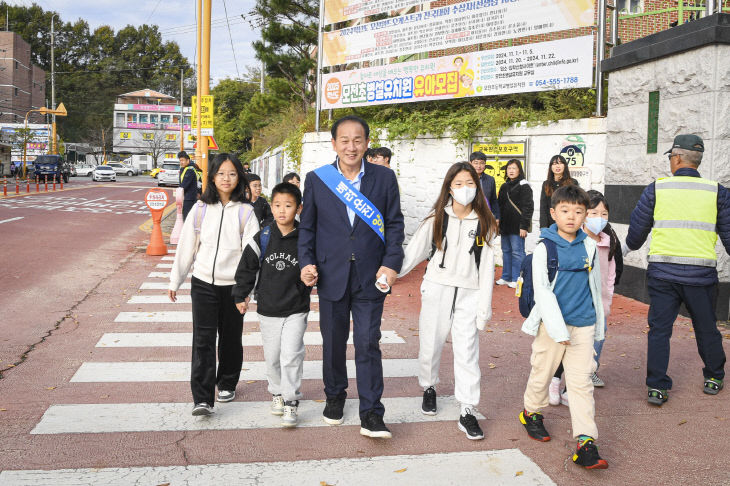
(456, 293)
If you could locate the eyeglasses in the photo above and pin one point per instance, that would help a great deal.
(669, 156)
(223, 175)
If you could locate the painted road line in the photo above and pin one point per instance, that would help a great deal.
(161, 285)
(163, 275)
(185, 316)
(178, 339)
(159, 299)
(155, 371)
(509, 467)
(157, 417)
(163, 265)
(11, 219)
(168, 258)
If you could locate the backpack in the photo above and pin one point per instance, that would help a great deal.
(525, 288)
(476, 248)
(200, 215)
(264, 238)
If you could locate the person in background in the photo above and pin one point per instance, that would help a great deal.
(189, 178)
(292, 178)
(516, 208)
(212, 242)
(260, 204)
(246, 168)
(558, 176)
(370, 155)
(478, 160)
(382, 156)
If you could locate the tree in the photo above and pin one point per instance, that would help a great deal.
(289, 36)
(20, 140)
(157, 145)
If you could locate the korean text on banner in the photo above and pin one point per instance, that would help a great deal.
(561, 64)
(206, 115)
(461, 24)
(341, 10)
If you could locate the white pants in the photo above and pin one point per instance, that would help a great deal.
(444, 309)
(283, 339)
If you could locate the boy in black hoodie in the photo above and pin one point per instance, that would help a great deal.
(270, 264)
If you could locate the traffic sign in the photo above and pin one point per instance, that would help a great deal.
(212, 144)
(206, 115)
(156, 199)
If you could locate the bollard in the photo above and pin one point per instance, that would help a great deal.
(5, 186)
(54, 182)
(60, 179)
(17, 186)
(46, 179)
(27, 186)
(37, 185)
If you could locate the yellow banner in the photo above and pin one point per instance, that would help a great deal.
(125, 135)
(206, 112)
(502, 149)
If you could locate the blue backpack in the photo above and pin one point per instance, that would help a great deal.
(264, 238)
(525, 288)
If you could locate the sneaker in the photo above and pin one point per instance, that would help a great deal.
(657, 397)
(428, 407)
(597, 381)
(501, 281)
(277, 405)
(713, 386)
(533, 424)
(469, 425)
(586, 455)
(564, 398)
(512, 285)
(289, 417)
(334, 411)
(202, 409)
(554, 391)
(372, 425)
(226, 395)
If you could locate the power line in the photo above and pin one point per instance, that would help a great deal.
(153, 11)
(230, 36)
(161, 68)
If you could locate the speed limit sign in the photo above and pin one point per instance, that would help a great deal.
(573, 155)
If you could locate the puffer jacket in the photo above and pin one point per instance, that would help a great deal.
(520, 193)
(642, 221)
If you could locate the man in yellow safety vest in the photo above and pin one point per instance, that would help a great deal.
(189, 178)
(684, 213)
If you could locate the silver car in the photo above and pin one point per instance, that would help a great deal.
(104, 173)
(169, 174)
(123, 169)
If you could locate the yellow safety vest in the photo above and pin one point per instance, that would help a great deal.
(182, 174)
(685, 216)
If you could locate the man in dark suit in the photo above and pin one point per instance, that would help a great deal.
(478, 160)
(344, 256)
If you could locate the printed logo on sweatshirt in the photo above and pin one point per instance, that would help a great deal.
(281, 261)
(472, 234)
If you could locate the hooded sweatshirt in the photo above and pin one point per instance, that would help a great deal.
(571, 286)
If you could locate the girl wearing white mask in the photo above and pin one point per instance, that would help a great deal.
(516, 207)
(596, 226)
(456, 293)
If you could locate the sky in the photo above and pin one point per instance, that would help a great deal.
(176, 21)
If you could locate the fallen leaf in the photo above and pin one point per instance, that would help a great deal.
(324, 483)
(519, 473)
(507, 311)
(623, 355)
(251, 381)
(319, 401)
(682, 422)
(164, 484)
(492, 366)
(50, 388)
(412, 329)
(3, 409)
(401, 470)
(361, 452)
(494, 356)
(104, 396)
(11, 366)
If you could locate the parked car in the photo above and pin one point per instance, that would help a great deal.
(85, 170)
(51, 166)
(104, 173)
(123, 169)
(154, 172)
(169, 174)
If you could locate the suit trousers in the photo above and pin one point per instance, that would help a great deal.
(578, 362)
(214, 315)
(187, 206)
(284, 351)
(447, 309)
(335, 328)
(700, 301)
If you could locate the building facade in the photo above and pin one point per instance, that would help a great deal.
(22, 84)
(147, 122)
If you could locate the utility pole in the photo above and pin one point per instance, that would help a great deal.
(182, 112)
(204, 11)
(320, 40)
(53, 85)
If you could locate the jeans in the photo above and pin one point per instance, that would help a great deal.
(513, 252)
(598, 345)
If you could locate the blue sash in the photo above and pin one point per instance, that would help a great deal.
(352, 198)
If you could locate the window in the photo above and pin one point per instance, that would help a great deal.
(16, 91)
(164, 119)
(131, 118)
(175, 119)
(153, 119)
(16, 64)
(143, 118)
(630, 6)
(120, 120)
(187, 120)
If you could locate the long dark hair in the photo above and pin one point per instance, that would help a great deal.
(210, 196)
(597, 198)
(566, 179)
(487, 222)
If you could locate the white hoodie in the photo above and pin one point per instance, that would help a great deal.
(221, 244)
(459, 268)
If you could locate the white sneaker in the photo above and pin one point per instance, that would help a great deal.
(277, 405)
(202, 409)
(554, 391)
(226, 395)
(597, 381)
(564, 399)
(512, 285)
(289, 417)
(501, 281)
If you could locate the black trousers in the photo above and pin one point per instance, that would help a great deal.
(214, 314)
(335, 329)
(187, 206)
(700, 302)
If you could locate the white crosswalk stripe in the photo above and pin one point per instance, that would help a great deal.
(185, 316)
(163, 265)
(163, 275)
(508, 467)
(148, 417)
(155, 371)
(159, 299)
(161, 286)
(168, 258)
(178, 339)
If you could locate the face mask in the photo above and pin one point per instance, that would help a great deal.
(464, 195)
(596, 225)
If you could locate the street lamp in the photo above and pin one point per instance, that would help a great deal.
(60, 111)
